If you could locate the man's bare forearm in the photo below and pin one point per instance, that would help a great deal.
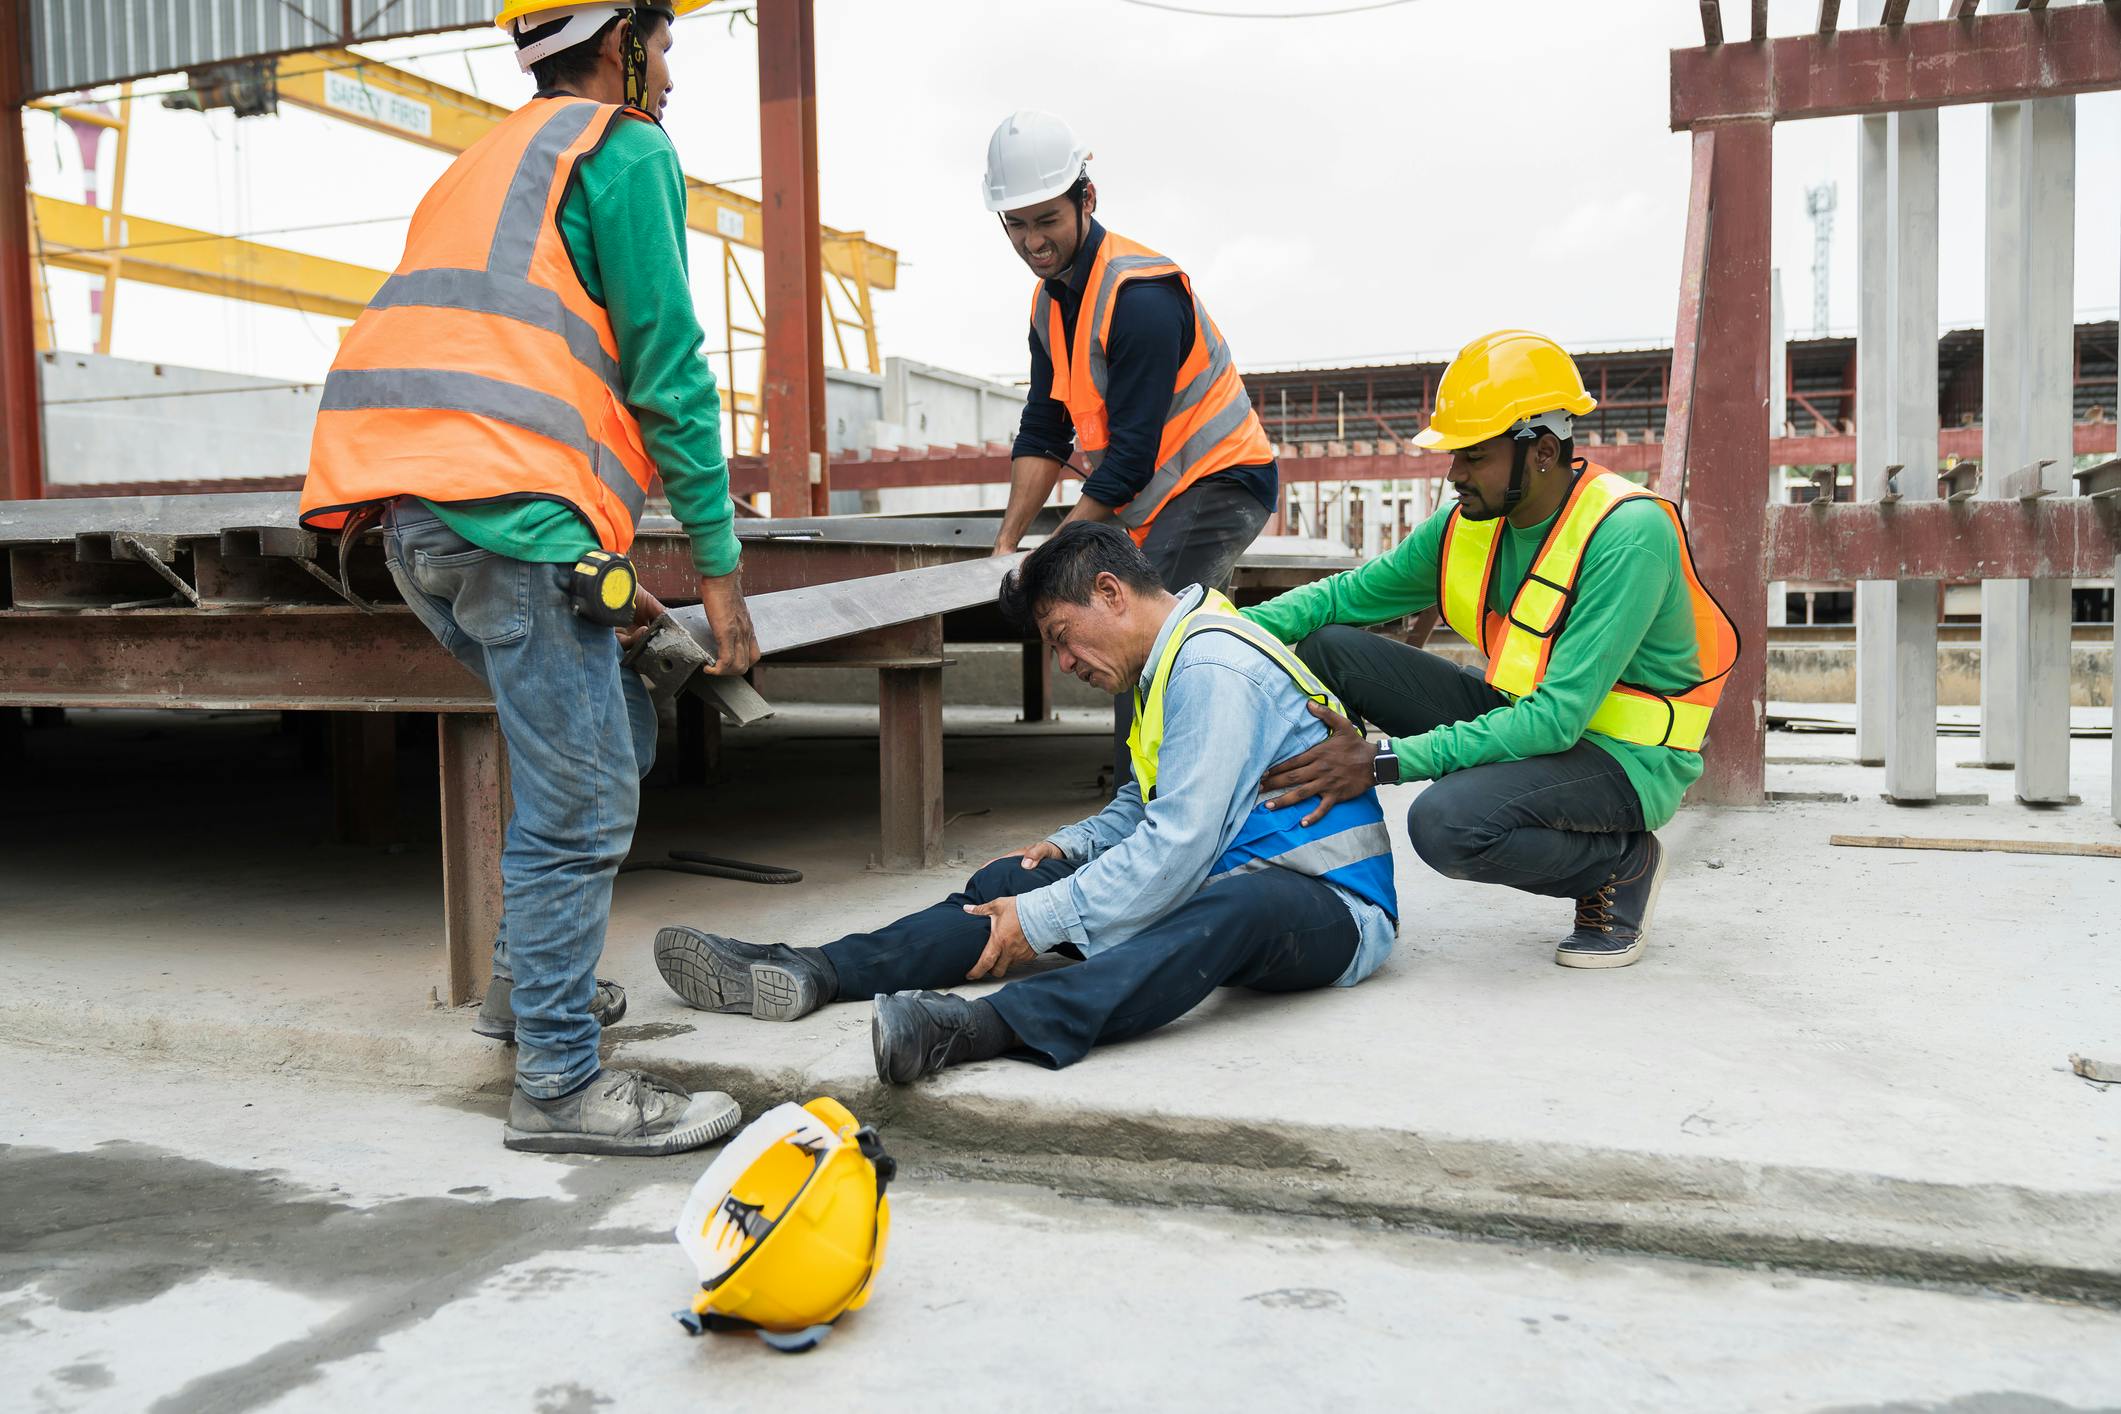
(1031, 481)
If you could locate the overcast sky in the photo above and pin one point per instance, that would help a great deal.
(1354, 188)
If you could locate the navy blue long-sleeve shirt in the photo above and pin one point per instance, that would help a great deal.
(1151, 336)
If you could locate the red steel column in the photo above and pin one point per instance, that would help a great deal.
(1719, 405)
(795, 288)
(21, 435)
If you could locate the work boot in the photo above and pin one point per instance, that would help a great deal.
(620, 1112)
(771, 981)
(497, 1013)
(1611, 923)
(918, 1033)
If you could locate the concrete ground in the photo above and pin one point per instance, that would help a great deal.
(1844, 1060)
(294, 1243)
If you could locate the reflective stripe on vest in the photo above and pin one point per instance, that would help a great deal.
(1348, 846)
(1520, 643)
(1209, 424)
(482, 370)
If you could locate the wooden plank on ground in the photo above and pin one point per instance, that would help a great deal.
(2072, 847)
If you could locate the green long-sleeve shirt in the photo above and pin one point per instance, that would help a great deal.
(623, 223)
(1632, 620)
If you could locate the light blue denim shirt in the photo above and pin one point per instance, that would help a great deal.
(1230, 713)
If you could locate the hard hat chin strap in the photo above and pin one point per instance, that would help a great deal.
(1520, 454)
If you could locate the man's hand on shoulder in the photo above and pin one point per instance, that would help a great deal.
(1339, 768)
(1006, 943)
(736, 644)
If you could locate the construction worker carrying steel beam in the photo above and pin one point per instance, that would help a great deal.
(1181, 885)
(1127, 365)
(503, 406)
(1605, 657)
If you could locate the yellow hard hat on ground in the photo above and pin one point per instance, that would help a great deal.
(788, 1225)
(1499, 381)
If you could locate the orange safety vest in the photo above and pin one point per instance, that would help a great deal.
(482, 370)
(1519, 643)
(1210, 425)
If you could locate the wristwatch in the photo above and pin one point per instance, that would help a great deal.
(1385, 770)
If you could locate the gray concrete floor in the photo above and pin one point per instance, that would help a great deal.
(173, 1242)
(1843, 1060)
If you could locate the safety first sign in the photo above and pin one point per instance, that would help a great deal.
(349, 95)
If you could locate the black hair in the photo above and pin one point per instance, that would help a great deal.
(578, 62)
(1080, 191)
(1064, 570)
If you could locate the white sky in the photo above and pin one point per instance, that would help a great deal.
(1344, 189)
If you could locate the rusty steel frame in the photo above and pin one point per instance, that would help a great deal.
(21, 412)
(1998, 58)
(794, 381)
(1716, 447)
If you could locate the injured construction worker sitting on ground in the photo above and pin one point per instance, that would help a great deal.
(1181, 885)
(1605, 657)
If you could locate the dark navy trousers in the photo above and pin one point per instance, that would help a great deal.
(1271, 930)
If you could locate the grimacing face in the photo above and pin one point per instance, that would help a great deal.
(1090, 641)
(1048, 235)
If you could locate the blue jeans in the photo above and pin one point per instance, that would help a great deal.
(581, 734)
(1270, 931)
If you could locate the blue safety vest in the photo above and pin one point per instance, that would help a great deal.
(1347, 846)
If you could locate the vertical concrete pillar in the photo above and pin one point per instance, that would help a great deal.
(2003, 448)
(2042, 659)
(1911, 286)
(1874, 598)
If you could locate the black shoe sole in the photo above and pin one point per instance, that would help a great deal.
(889, 1031)
(703, 977)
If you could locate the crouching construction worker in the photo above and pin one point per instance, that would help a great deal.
(1126, 364)
(1605, 658)
(1181, 885)
(503, 406)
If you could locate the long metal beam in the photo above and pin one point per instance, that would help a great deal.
(385, 99)
(794, 384)
(2070, 537)
(1999, 58)
(78, 237)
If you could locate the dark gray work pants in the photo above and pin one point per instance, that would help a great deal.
(1196, 539)
(1554, 825)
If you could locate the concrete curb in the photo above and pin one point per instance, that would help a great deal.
(2058, 1244)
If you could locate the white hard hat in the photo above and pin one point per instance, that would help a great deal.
(1032, 157)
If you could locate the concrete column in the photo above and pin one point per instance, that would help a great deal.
(1911, 285)
(1874, 598)
(2042, 659)
(2003, 417)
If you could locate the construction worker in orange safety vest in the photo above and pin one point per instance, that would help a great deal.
(1605, 657)
(502, 409)
(1127, 367)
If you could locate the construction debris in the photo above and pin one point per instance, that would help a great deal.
(2105, 1072)
(2095, 851)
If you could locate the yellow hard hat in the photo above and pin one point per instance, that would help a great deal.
(513, 10)
(1498, 381)
(788, 1225)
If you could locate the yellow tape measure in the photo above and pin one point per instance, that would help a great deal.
(603, 586)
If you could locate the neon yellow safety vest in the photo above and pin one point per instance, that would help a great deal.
(1520, 643)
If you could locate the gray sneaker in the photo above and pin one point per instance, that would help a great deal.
(620, 1112)
(497, 1014)
(770, 981)
(1611, 923)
